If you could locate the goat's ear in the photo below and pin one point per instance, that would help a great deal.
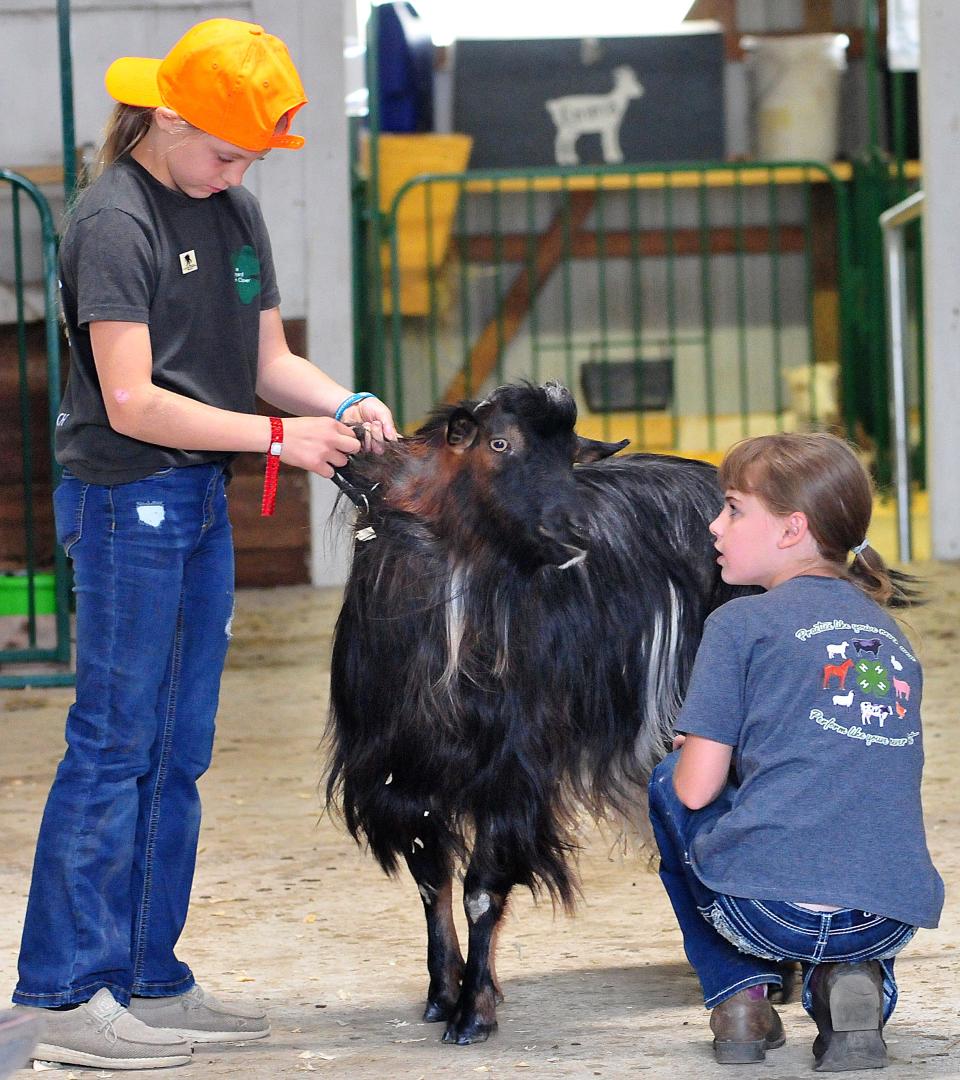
(591, 450)
(462, 430)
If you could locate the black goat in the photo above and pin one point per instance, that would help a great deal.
(515, 639)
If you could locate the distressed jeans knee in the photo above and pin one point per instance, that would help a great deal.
(733, 943)
(153, 574)
(782, 930)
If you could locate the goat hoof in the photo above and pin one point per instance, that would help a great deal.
(465, 1034)
(438, 1010)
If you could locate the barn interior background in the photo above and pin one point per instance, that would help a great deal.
(679, 222)
(672, 223)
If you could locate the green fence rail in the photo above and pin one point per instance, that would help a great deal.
(875, 185)
(753, 302)
(686, 305)
(34, 583)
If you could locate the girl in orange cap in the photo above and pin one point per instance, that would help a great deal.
(172, 311)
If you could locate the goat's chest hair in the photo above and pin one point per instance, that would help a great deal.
(478, 622)
(499, 628)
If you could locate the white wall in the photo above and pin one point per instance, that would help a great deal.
(940, 148)
(102, 30)
(304, 194)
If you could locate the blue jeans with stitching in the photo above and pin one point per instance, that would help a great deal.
(733, 942)
(153, 577)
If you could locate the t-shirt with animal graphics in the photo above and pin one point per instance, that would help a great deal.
(197, 271)
(819, 692)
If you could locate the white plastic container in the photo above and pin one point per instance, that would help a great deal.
(796, 94)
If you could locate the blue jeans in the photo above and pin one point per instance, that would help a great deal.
(732, 942)
(153, 574)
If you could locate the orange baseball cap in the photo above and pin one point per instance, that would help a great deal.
(230, 79)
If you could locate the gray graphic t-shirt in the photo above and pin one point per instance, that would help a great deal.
(819, 692)
(198, 272)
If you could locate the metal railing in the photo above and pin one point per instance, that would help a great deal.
(687, 305)
(892, 222)
(30, 575)
(491, 285)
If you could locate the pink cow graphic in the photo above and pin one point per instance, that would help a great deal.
(901, 689)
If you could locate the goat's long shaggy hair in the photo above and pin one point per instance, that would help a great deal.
(492, 701)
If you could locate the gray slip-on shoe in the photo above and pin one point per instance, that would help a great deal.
(102, 1034)
(202, 1018)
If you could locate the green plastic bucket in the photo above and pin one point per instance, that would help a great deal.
(15, 594)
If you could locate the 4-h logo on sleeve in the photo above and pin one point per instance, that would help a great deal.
(246, 274)
(872, 678)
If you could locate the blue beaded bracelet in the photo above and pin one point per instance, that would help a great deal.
(348, 402)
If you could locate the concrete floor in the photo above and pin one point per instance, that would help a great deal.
(288, 912)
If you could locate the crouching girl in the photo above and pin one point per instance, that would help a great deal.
(789, 820)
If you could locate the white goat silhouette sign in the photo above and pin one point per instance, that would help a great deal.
(593, 114)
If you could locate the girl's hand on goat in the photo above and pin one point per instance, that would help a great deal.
(376, 420)
(678, 741)
(318, 444)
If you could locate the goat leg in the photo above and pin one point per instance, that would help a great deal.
(433, 874)
(476, 1016)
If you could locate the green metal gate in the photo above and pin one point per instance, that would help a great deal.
(35, 582)
(686, 305)
(725, 291)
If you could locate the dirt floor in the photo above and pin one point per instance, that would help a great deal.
(287, 911)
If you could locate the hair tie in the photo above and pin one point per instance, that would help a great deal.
(856, 551)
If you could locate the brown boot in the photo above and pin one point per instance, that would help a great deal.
(744, 1029)
(848, 1009)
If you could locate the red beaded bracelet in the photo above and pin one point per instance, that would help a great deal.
(273, 467)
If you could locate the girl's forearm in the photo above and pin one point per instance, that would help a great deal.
(702, 771)
(154, 415)
(293, 384)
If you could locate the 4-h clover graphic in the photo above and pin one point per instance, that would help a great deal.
(872, 678)
(246, 273)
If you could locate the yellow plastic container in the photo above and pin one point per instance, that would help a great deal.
(419, 250)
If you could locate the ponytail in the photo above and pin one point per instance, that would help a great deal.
(126, 126)
(888, 587)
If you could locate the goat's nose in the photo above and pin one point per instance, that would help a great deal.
(564, 524)
(577, 523)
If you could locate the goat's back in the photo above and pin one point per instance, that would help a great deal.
(469, 689)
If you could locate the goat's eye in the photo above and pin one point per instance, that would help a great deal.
(499, 445)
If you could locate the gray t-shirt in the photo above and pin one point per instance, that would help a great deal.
(197, 271)
(819, 692)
